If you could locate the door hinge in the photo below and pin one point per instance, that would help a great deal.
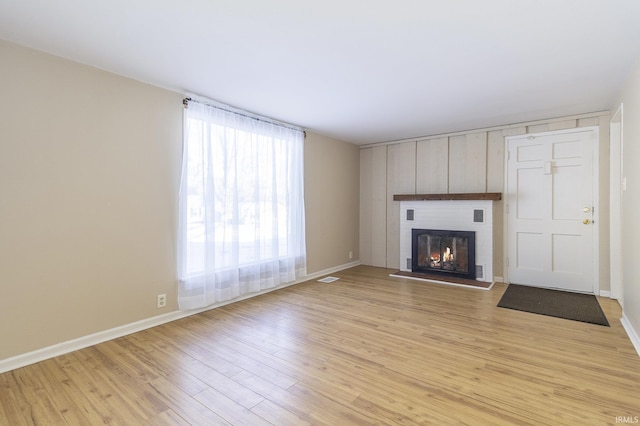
(507, 261)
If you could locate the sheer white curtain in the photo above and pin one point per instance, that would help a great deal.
(241, 219)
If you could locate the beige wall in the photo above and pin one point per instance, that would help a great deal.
(89, 175)
(630, 97)
(461, 162)
(331, 202)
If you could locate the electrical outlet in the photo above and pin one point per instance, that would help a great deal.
(162, 300)
(350, 255)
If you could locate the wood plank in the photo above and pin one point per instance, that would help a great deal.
(366, 349)
(495, 161)
(94, 385)
(401, 177)
(373, 206)
(366, 206)
(55, 382)
(24, 396)
(491, 196)
(167, 418)
(495, 182)
(229, 409)
(468, 163)
(185, 405)
(514, 131)
(277, 415)
(551, 126)
(588, 122)
(379, 207)
(432, 166)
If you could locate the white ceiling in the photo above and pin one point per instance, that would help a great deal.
(362, 71)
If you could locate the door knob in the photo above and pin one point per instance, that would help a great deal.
(586, 221)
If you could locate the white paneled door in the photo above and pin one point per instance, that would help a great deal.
(550, 209)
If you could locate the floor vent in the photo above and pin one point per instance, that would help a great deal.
(479, 271)
(328, 280)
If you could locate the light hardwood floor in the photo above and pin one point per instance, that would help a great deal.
(367, 349)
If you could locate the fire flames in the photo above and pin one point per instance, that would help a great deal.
(434, 258)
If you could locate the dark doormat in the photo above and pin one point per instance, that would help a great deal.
(554, 303)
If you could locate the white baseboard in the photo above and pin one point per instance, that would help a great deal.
(605, 293)
(631, 332)
(62, 348)
(330, 271)
(498, 279)
(38, 355)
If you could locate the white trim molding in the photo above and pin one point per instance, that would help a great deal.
(616, 179)
(631, 332)
(595, 114)
(62, 348)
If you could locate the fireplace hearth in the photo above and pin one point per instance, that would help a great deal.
(443, 252)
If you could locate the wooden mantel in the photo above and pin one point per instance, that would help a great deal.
(491, 196)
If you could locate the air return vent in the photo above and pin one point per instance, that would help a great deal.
(479, 271)
(478, 216)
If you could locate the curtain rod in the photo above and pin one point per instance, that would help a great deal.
(186, 101)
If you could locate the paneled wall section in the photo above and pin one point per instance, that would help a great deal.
(373, 206)
(462, 162)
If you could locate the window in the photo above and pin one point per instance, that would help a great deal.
(241, 224)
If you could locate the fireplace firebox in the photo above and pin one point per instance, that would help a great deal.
(444, 252)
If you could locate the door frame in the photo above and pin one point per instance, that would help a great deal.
(617, 187)
(595, 190)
